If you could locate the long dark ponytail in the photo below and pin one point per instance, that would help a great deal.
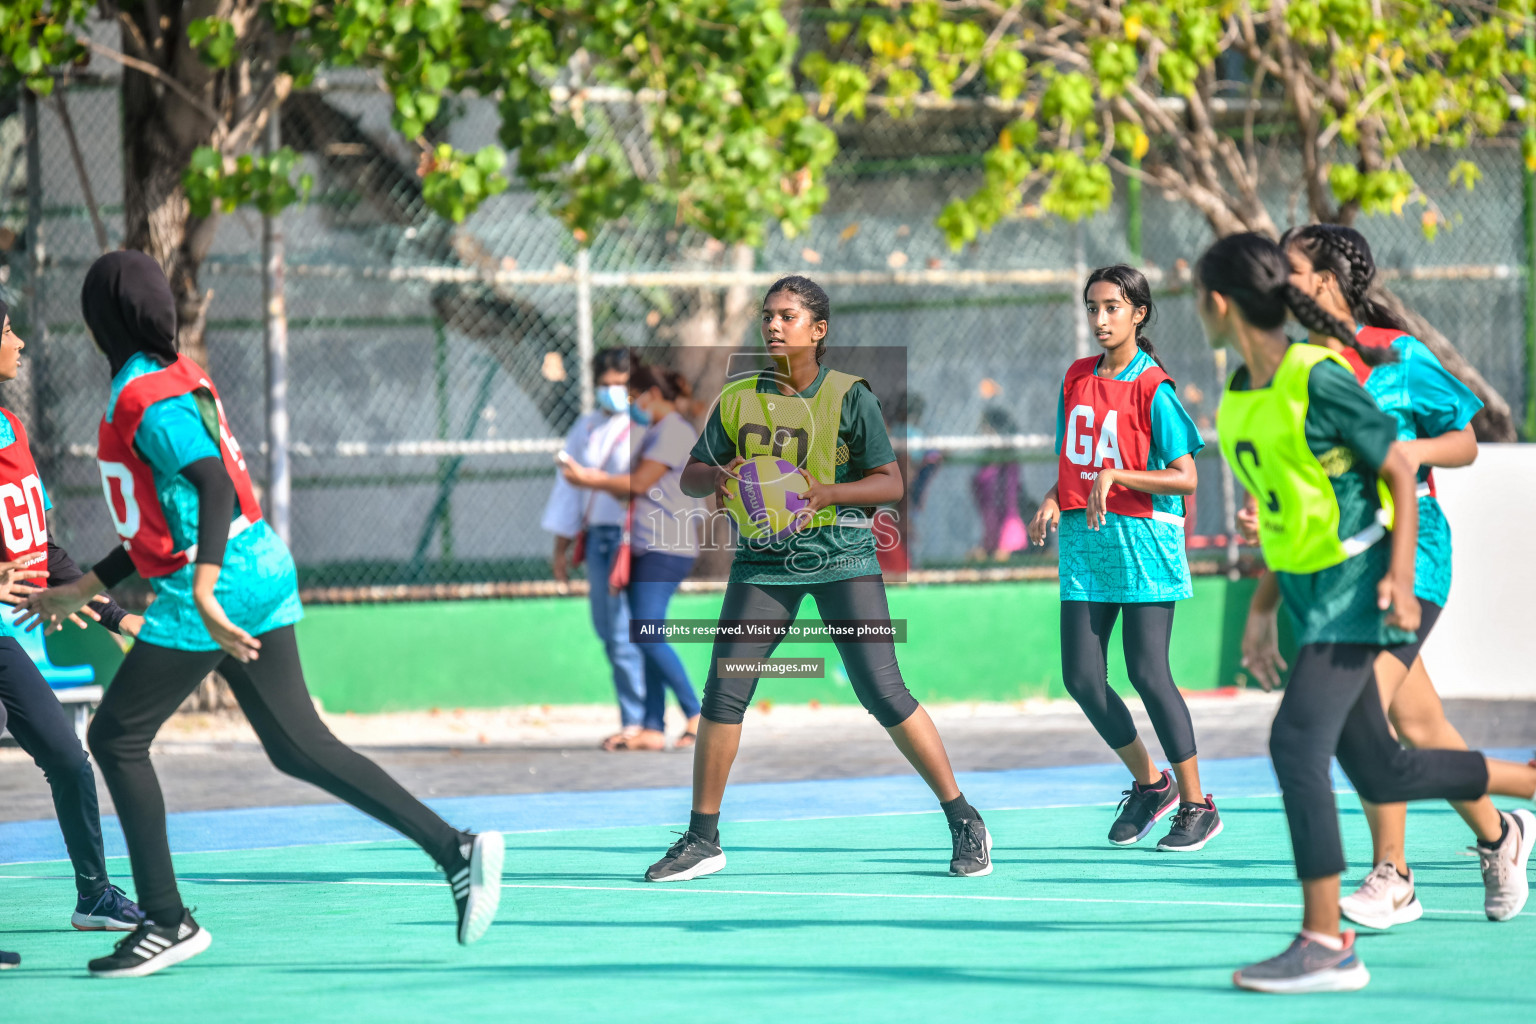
(1137, 291)
(1344, 253)
(1253, 272)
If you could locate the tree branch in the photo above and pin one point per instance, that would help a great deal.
(87, 192)
(145, 67)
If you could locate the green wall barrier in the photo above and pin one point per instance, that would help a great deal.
(965, 642)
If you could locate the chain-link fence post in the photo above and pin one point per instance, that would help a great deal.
(275, 323)
(1079, 310)
(584, 345)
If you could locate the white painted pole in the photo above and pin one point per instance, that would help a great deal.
(585, 346)
(275, 330)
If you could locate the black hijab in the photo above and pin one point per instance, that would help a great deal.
(128, 306)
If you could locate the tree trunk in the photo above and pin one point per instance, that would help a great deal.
(160, 130)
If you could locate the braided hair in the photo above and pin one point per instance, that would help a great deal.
(1253, 272)
(1344, 253)
(1136, 291)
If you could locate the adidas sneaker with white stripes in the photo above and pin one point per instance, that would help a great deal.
(153, 947)
(476, 882)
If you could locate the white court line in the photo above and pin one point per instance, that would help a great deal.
(663, 889)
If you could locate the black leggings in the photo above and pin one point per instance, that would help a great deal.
(1332, 707)
(42, 728)
(153, 681)
(1085, 629)
(871, 667)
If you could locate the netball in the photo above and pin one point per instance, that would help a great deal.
(767, 504)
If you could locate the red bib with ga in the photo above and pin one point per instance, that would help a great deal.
(1109, 423)
(23, 526)
(129, 482)
(1378, 337)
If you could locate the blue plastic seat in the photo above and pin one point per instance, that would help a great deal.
(58, 677)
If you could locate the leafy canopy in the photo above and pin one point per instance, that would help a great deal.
(723, 134)
(1098, 85)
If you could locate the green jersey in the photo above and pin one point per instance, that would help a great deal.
(859, 443)
(1349, 437)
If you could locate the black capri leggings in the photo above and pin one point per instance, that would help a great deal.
(153, 681)
(1332, 707)
(1085, 629)
(871, 667)
(42, 728)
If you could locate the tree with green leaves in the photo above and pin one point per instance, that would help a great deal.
(724, 136)
(1184, 97)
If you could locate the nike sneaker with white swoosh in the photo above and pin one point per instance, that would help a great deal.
(971, 848)
(1505, 887)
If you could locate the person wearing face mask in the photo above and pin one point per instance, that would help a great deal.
(588, 524)
(1126, 461)
(664, 533)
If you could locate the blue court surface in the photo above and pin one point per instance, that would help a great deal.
(836, 905)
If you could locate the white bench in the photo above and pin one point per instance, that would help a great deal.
(78, 701)
(78, 694)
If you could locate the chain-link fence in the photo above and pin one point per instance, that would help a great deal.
(434, 368)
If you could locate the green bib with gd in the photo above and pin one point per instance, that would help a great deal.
(1263, 437)
(795, 428)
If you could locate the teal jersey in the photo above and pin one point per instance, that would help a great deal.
(8, 438)
(258, 586)
(1130, 559)
(1426, 401)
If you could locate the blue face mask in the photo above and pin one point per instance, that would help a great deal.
(639, 415)
(613, 399)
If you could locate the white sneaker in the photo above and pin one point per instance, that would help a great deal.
(1505, 886)
(1384, 899)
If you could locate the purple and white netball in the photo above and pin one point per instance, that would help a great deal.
(768, 499)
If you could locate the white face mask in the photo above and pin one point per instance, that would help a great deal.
(613, 398)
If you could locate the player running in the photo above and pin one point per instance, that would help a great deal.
(28, 705)
(1125, 460)
(1321, 458)
(832, 430)
(1433, 410)
(226, 599)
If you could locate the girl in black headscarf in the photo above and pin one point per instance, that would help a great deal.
(226, 599)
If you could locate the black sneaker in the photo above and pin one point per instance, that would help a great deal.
(153, 947)
(689, 857)
(1139, 810)
(9, 960)
(476, 881)
(972, 844)
(1193, 826)
(111, 911)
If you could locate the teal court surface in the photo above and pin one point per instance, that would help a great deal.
(835, 906)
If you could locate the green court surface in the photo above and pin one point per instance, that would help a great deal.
(833, 919)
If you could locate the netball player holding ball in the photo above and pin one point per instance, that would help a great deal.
(1126, 459)
(828, 424)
